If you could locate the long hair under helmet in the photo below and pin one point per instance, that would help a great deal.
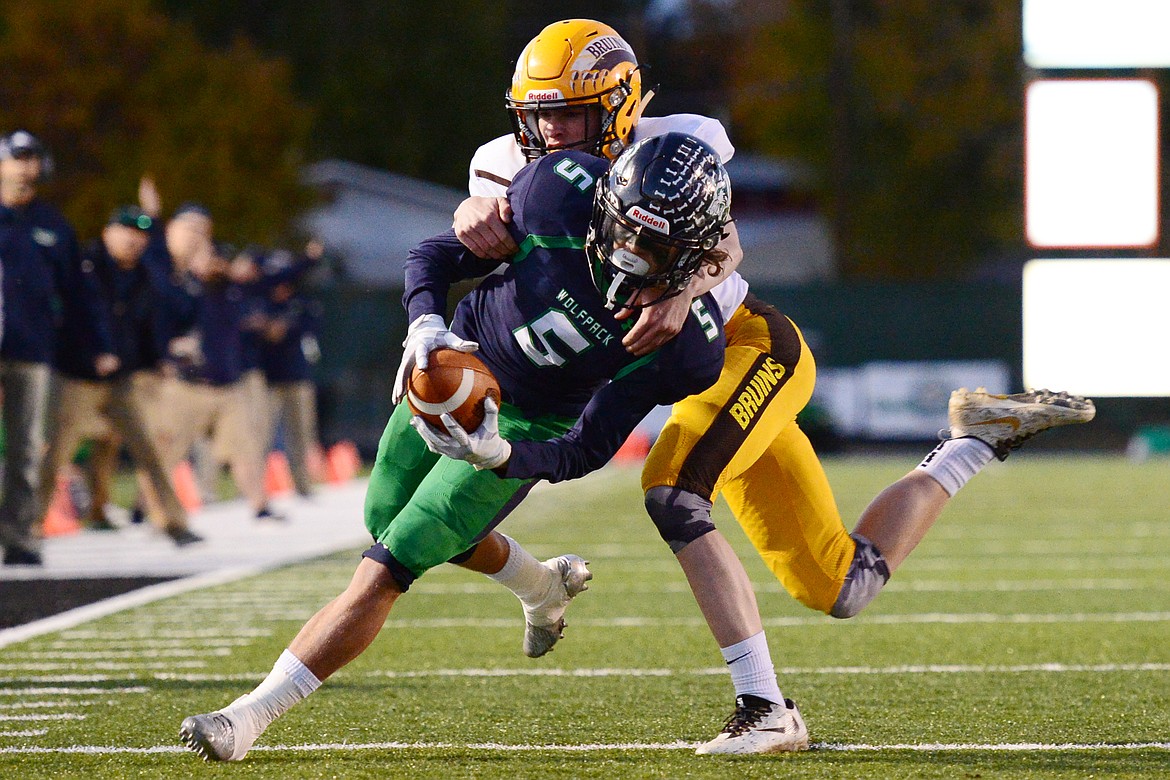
(657, 214)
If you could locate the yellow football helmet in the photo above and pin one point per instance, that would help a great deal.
(577, 63)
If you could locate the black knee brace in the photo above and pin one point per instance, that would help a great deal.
(680, 516)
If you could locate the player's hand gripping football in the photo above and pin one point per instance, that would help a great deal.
(426, 333)
(482, 448)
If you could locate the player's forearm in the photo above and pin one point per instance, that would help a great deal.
(433, 267)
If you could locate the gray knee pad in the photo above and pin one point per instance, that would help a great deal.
(680, 516)
(867, 575)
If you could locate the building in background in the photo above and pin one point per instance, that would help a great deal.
(372, 218)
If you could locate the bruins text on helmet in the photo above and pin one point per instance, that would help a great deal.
(577, 63)
(657, 215)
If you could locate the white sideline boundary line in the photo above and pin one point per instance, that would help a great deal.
(142, 596)
(114, 604)
(1021, 747)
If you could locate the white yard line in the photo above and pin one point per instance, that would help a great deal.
(772, 586)
(146, 634)
(99, 654)
(54, 716)
(989, 747)
(939, 669)
(57, 690)
(144, 644)
(106, 666)
(945, 618)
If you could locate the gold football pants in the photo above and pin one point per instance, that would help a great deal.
(740, 439)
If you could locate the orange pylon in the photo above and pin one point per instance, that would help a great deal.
(278, 478)
(635, 448)
(61, 516)
(186, 488)
(315, 462)
(342, 462)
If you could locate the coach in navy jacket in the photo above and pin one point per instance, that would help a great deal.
(45, 283)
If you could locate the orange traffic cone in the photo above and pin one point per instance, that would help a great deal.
(61, 516)
(186, 487)
(635, 448)
(342, 462)
(278, 478)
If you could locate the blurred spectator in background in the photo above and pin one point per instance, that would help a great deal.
(210, 396)
(93, 406)
(172, 251)
(289, 352)
(45, 283)
(244, 272)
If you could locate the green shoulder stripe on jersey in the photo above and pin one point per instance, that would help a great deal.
(635, 365)
(531, 242)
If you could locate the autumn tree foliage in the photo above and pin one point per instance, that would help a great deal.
(413, 87)
(116, 89)
(911, 113)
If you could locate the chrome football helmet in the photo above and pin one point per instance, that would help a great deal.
(657, 213)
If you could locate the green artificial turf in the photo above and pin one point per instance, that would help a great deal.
(1027, 637)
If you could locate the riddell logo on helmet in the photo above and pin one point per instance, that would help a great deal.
(544, 94)
(638, 214)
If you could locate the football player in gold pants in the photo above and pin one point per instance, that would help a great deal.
(739, 438)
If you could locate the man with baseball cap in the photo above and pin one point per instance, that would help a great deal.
(42, 267)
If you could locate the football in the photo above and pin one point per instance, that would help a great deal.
(454, 382)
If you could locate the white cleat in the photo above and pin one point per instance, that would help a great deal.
(544, 623)
(213, 737)
(1004, 422)
(759, 726)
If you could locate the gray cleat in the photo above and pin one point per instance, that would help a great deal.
(212, 736)
(544, 624)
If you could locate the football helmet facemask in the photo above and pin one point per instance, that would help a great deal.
(582, 64)
(656, 214)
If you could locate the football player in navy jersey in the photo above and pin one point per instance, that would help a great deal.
(577, 84)
(593, 242)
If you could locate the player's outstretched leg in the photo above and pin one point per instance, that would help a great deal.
(544, 619)
(760, 726)
(1004, 422)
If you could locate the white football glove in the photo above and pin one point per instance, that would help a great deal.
(426, 333)
(482, 448)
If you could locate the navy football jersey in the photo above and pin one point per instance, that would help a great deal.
(544, 332)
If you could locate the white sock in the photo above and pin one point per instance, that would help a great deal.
(751, 668)
(524, 575)
(955, 461)
(287, 683)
